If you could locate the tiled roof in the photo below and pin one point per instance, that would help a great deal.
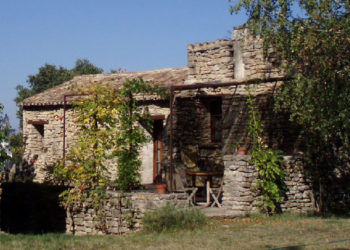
(55, 95)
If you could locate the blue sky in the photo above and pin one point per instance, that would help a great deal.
(135, 35)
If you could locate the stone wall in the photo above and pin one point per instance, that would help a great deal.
(279, 132)
(240, 177)
(121, 215)
(210, 62)
(249, 59)
(47, 145)
(193, 147)
(241, 58)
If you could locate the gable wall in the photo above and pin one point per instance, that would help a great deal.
(50, 147)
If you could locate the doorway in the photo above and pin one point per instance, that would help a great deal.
(157, 149)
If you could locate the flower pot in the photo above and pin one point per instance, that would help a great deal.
(242, 150)
(161, 188)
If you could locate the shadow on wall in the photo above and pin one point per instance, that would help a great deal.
(31, 208)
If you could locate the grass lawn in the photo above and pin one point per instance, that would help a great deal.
(242, 233)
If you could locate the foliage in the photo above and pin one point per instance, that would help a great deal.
(85, 167)
(49, 76)
(312, 39)
(85, 67)
(4, 147)
(17, 149)
(133, 121)
(109, 122)
(270, 180)
(170, 218)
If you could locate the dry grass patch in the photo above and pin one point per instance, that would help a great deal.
(243, 233)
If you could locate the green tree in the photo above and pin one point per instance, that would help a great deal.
(4, 148)
(312, 40)
(49, 76)
(16, 143)
(84, 67)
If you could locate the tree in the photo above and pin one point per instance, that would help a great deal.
(5, 153)
(84, 67)
(49, 76)
(314, 49)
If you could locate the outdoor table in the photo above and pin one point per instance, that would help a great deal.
(208, 179)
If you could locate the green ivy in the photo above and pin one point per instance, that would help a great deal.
(85, 170)
(111, 126)
(134, 121)
(270, 181)
(311, 39)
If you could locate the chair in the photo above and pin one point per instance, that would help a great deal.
(215, 193)
(180, 187)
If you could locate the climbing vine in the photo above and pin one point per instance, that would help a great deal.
(134, 121)
(111, 128)
(85, 169)
(269, 184)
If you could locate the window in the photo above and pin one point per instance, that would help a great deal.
(40, 136)
(215, 120)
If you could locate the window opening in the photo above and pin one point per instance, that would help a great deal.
(41, 133)
(215, 120)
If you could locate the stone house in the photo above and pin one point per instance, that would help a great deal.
(197, 129)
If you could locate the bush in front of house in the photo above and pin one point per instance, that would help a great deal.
(171, 218)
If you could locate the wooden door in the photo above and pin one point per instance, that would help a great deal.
(157, 150)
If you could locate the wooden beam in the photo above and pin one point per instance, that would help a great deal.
(158, 117)
(38, 122)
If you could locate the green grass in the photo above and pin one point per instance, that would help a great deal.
(170, 218)
(255, 232)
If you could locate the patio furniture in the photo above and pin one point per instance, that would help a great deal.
(216, 193)
(191, 191)
(208, 180)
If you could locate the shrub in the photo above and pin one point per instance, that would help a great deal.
(170, 218)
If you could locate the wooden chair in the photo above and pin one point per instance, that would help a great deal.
(191, 191)
(216, 193)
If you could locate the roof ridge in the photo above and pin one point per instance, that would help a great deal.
(54, 95)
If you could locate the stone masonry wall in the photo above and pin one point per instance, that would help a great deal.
(210, 62)
(241, 58)
(279, 132)
(122, 215)
(240, 177)
(49, 145)
(193, 147)
(249, 58)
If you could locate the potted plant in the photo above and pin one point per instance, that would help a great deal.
(242, 147)
(160, 186)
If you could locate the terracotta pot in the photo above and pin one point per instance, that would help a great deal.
(242, 150)
(161, 188)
